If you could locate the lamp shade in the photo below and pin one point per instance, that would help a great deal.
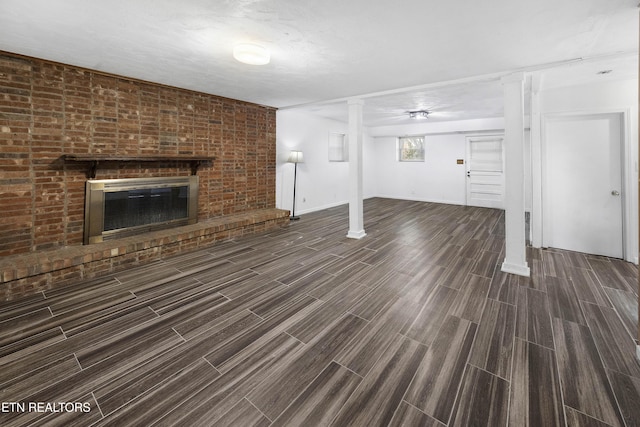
(295, 157)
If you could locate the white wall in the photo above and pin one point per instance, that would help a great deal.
(438, 179)
(320, 184)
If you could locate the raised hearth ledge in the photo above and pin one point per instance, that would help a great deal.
(27, 274)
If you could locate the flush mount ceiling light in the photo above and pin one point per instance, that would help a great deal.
(420, 114)
(253, 54)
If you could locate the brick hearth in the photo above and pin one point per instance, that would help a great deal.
(27, 274)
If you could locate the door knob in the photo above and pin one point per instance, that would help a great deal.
(615, 193)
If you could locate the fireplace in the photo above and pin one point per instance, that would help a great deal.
(117, 208)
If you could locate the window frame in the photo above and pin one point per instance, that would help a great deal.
(401, 150)
(338, 148)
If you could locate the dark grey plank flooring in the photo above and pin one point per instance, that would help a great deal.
(414, 325)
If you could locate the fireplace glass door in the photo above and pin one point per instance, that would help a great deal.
(122, 207)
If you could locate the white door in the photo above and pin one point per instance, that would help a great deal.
(583, 186)
(485, 176)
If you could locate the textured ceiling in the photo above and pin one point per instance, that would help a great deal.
(327, 50)
(476, 99)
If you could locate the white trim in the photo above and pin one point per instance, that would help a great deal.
(356, 234)
(629, 186)
(627, 163)
(535, 138)
(400, 146)
(320, 208)
(487, 132)
(520, 270)
(419, 199)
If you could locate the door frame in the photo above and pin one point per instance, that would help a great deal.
(628, 166)
(467, 143)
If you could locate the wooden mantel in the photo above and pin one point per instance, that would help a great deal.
(95, 159)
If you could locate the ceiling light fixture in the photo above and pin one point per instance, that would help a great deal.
(252, 54)
(420, 114)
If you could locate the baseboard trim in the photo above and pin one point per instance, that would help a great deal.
(521, 270)
(356, 234)
(422, 199)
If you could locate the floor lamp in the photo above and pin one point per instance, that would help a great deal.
(295, 157)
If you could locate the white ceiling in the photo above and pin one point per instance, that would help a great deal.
(444, 56)
(479, 98)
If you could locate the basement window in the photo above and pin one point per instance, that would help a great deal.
(411, 149)
(338, 148)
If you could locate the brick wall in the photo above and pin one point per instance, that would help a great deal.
(49, 109)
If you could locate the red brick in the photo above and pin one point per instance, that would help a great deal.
(49, 109)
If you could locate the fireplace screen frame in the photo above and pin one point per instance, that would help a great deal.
(94, 211)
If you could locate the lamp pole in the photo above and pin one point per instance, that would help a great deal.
(295, 157)
(293, 216)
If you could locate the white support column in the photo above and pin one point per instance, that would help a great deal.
(536, 161)
(356, 211)
(515, 260)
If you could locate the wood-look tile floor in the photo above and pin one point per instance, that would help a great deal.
(413, 325)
